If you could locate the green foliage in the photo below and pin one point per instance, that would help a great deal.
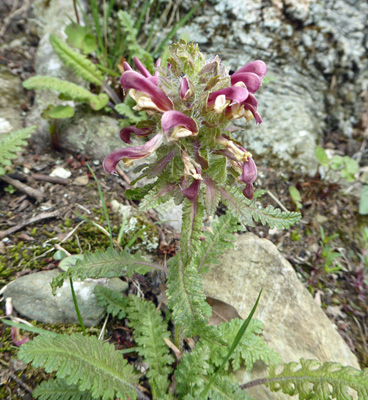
(126, 110)
(11, 143)
(58, 112)
(193, 374)
(248, 210)
(321, 156)
(81, 38)
(83, 361)
(191, 229)
(313, 380)
(149, 333)
(77, 62)
(186, 298)
(216, 242)
(295, 196)
(328, 253)
(131, 38)
(251, 348)
(57, 389)
(104, 264)
(115, 302)
(67, 90)
(363, 202)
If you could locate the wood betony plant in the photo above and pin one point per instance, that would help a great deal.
(191, 103)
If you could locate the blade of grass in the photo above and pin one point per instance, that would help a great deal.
(237, 339)
(145, 7)
(176, 27)
(131, 350)
(85, 18)
(108, 70)
(28, 328)
(76, 307)
(103, 205)
(96, 20)
(102, 229)
(150, 36)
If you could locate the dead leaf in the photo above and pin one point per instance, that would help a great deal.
(221, 311)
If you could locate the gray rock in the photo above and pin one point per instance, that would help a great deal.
(295, 326)
(11, 96)
(31, 296)
(315, 50)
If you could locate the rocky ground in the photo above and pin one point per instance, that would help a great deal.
(30, 248)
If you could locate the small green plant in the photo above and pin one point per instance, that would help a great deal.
(346, 166)
(328, 255)
(198, 164)
(296, 197)
(10, 144)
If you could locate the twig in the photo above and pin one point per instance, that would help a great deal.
(31, 221)
(13, 14)
(76, 11)
(36, 194)
(277, 200)
(50, 179)
(20, 382)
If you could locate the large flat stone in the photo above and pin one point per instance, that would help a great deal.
(295, 325)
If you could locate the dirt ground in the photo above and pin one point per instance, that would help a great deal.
(343, 295)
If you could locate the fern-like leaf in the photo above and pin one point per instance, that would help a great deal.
(83, 361)
(149, 332)
(77, 62)
(57, 389)
(313, 380)
(247, 210)
(131, 39)
(186, 298)
(12, 142)
(251, 348)
(159, 194)
(104, 264)
(191, 230)
(115, 302)
(223, 388)
(217, 242)
(127, 111)
(68, 90)
(193, 374)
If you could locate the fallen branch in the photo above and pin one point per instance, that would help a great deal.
(36, 194)
(50, 179)
(31, 221)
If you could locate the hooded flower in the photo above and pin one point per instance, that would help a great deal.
(129, 154)
(145, 92)
(190, 104)
(182, 125)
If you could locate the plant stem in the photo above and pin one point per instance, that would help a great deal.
(76, 307)
(261, 381)
(76, 11)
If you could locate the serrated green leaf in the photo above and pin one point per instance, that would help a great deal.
(11, 143)
(104, 264)
(127, 111)
(217, 170)
(68, 90)
(150, 330)
(78, 63)
(248, 210)
(83, 361)
(57, 389)
(115, 302)
(313, 380)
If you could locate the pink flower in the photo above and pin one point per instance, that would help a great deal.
(183, 125)
(126, 132)
(248, 176)
(146, 93)
(129, 154)
(223, 98)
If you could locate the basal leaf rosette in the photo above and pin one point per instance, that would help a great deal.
(191, 103)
